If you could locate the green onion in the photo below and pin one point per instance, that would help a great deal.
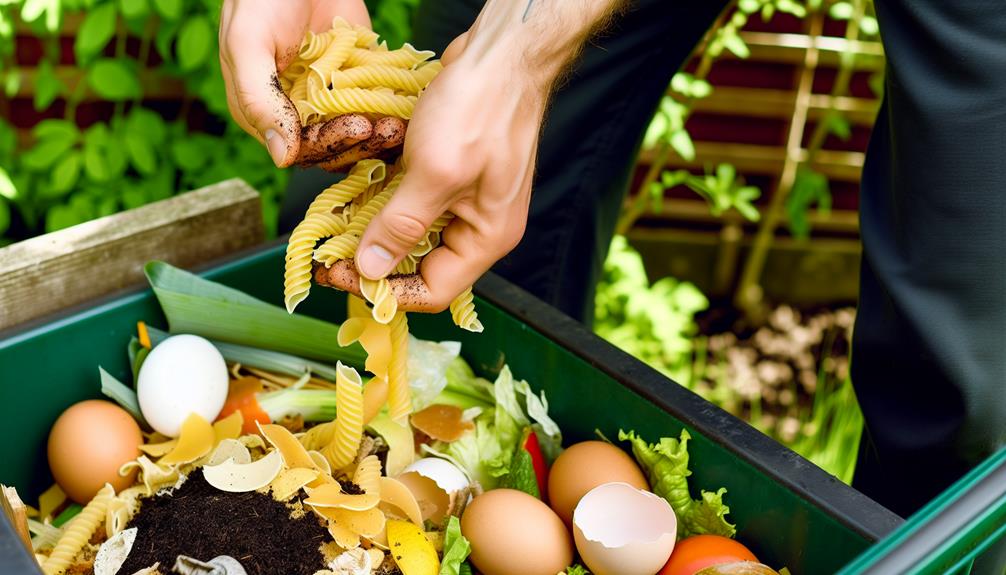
(268, 360)
(311, 404)
(201, 307)
(121, 394)
(69, 513)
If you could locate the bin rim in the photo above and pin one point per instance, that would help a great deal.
(841, 502)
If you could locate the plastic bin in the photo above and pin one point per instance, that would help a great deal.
(788, 511)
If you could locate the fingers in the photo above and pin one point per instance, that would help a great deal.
(403, 222)
(320, 142)
(388, 136)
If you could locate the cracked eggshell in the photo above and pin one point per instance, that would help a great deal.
(113, 552)
(240, 478)
(435, 483)
(622, 530)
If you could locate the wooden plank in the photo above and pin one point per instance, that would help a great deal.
(767, 103)
(697, 211)
(767, 160)
(47, 273)
(16, 513)
(790, 48)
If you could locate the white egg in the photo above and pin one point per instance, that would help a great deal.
(185, 374)
(621, 530)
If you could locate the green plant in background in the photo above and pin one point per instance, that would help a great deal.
(66, 174)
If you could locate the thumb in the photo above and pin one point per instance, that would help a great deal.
(397, 228)
(261, 106)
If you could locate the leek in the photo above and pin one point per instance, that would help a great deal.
(268, 360)
(121, 394)
(311, 404)
(201, 307)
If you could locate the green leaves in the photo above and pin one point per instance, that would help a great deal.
(134, 9)
(45, 153)
(7, 187)
(95, 33)
(809, 188)
(4, 216)
(34, 9)
(47, 86)
(170, 9)
(114, 80)
(104, 156)
(64, 176)
(195, 42)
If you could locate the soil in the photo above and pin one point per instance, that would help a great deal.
(203, 522)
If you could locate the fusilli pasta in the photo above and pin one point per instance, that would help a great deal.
(349, 422)
(78, 532)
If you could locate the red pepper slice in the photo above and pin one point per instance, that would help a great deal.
(533, 448)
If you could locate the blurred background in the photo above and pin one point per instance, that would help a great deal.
(735, 271)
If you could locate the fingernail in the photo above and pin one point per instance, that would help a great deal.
(276, 145)
(374, 263)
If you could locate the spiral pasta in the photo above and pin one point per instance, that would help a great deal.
(341, 451)
(344, 245)
(78, 532)
(340, 101)
(363, 175)
(399, 402)
(405, 57)
(384, 76)
(463, 312)
(378, 292)
(314, 45)
(297, 275)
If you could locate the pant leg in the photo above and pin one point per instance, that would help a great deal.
(592, 132)
(928, 350)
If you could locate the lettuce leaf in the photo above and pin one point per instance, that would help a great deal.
(576, 569)
(456, 548)
(666, 466)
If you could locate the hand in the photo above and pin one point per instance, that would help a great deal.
(259, 39)
(470, 150)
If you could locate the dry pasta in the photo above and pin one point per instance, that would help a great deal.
(331, 103)
(341, 451)
(344, 245)
(297, 276)
(463, 312)
(363, 175)
(399, 402)
(78, 532)
(378, 293)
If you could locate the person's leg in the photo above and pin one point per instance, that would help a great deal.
(929, 350)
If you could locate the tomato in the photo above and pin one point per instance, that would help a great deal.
(695, 553)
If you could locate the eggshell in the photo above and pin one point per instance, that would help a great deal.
(113, 552)
(738, 568)
(88, 444)
(513, 533)
(184, 374)
(434, 482)
(241, 478)
(622, 530)
(584, 466)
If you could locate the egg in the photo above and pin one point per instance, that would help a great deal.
(88, 444)
(435, 482)
(513, 533)
(621, 530)
(584, 466)
(184, 374)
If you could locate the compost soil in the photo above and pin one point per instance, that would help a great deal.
(203, 522)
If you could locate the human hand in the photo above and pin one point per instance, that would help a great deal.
(258, 40)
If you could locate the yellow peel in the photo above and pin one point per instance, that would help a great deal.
(413, 552)
(290, 481)
(159, 449)
(228, 427)
(395, 493)
(331, 495)
(195, 440)
(375, 339)
(294, 454)
(343, 536)
(240, 478)
(230, 449)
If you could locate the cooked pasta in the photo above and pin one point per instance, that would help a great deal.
(78, 532)
(297, 276)
(463, 312)
(399, 401)
(349, 422)
(364, 174)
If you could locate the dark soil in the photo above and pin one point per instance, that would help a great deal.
(203, 522)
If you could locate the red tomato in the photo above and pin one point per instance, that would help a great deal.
(695, 553)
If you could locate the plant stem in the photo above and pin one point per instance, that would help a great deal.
(749, 292)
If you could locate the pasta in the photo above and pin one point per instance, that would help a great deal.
(314, 45)
(381, 75)
(78, 532)
(344, 245)
(331, 103)
(297, 276)
(363, 175)
(399, 402)
(463, 312)
(406, 57)
(349, 423)
(379, 293)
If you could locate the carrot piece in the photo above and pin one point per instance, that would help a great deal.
(141, 329)
(242, 397)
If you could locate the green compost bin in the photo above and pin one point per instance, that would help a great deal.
(788, 511)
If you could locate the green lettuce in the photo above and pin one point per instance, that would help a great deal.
(456, 548)
(577, 569)
(486, 454)
(666, 466)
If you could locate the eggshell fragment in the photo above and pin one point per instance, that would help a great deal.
(228, 428)
(367, 523)
(230, 449)
(401, 443)
(435, 483)
(290, 481)
(396, 494)
(442, 422)
(331, 495)
(195, 440)
(739, 568)
(113, 552)
(159, 449)
(320, 462)
(622, 530)
(294, 454)
(239, 478)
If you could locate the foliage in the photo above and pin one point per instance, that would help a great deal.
(69, 174)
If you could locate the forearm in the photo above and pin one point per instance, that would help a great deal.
(537, 37)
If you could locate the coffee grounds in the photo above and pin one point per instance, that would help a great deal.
(202, 522)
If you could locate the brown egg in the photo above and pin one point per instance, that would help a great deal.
(513, 533)
(88, 444)
(583, 467)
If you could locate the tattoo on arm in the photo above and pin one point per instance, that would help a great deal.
(527, 10)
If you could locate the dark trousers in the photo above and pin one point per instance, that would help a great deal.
(929, 354)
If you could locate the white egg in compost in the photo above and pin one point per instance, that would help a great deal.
(184, 374)
(622, 530)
